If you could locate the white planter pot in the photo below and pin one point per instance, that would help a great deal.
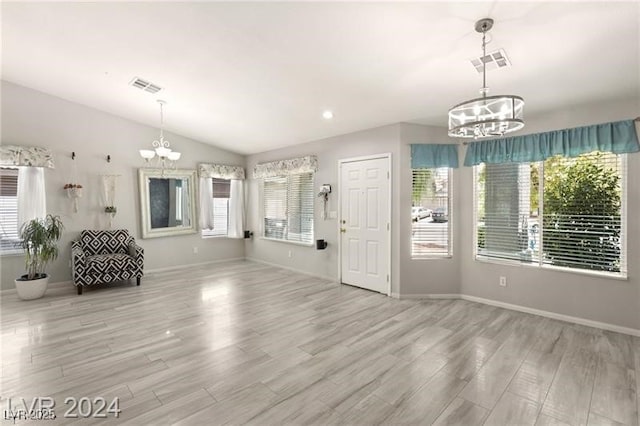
(31, 289)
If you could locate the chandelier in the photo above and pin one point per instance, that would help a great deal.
(166, 157)
(488, 115)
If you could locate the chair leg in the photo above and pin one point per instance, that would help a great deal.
(79, 287)
(137, 280)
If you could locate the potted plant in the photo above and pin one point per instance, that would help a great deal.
(39, 238)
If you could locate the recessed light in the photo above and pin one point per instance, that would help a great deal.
(327, 115)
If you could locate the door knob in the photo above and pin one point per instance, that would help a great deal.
(343, 230)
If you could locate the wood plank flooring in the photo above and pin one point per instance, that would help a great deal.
(245, 343)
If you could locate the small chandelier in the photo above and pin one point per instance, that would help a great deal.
(166, 157)
(488, 115)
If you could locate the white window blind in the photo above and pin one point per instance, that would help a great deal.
(220, 212)
(288, 207)
(430, 226)
(563, 212)
(8, 209)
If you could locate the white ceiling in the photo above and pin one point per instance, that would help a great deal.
(251, 77)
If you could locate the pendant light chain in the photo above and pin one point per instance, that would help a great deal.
(161, 120)
(484, 89)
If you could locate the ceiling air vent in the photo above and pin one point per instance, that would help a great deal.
(497, 59)
(145, 85)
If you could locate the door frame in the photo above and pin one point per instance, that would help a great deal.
(386, 155)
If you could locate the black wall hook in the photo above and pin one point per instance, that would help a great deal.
(73, 155)
(108, 158)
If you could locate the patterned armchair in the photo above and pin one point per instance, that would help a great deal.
(105, 256)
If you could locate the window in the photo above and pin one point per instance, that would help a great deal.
(563, 212)
(430, 229)
(8, 210)
(221, 189)
(288, 208)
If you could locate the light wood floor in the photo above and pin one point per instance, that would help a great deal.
(242, 342)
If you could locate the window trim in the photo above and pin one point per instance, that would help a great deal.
(15, 251)
(451, 216)
(262, 213)
(206, 233)
(295, 243)
(623, 275)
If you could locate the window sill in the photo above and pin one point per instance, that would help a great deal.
(596, 274)
(205, 237)
(433, 257)
(295, 243)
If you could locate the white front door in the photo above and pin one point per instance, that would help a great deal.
(365, 222)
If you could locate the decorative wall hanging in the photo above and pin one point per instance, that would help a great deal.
(74, 190)
(109, 194)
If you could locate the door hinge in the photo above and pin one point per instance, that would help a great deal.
(387, 277)
(388, 226)
(388, 176)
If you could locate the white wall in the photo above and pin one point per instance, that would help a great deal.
(599, 299)
(34, 118)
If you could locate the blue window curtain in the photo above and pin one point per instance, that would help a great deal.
(427, 156)
(618, 137)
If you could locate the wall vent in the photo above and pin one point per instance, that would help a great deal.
(145, 85)
(497, 59)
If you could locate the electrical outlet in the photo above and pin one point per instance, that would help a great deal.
(289, 253)
(503, 281)
(195, 250)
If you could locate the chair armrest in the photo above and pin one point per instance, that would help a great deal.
(77, 254)
(136, 252)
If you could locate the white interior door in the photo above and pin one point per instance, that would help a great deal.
(365, 223)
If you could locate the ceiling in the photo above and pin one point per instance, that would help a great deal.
(251, 77)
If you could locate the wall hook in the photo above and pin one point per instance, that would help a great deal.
(73, 155)
(108, 158)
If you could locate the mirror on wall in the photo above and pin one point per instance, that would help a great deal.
(167, 202)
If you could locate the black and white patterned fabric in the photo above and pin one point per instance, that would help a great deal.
(105, 256)
(105, 242)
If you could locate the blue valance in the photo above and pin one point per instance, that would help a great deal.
(428, 156)
(617, 137)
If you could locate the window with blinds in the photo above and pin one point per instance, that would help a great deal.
(8, 209)
(221, 191)
(288, 208)
(563, 212)
(430, 225)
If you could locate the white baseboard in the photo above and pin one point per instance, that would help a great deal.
(190, 265)
(425, 296)
(277, 265)
(554, 315)
(525, 309)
